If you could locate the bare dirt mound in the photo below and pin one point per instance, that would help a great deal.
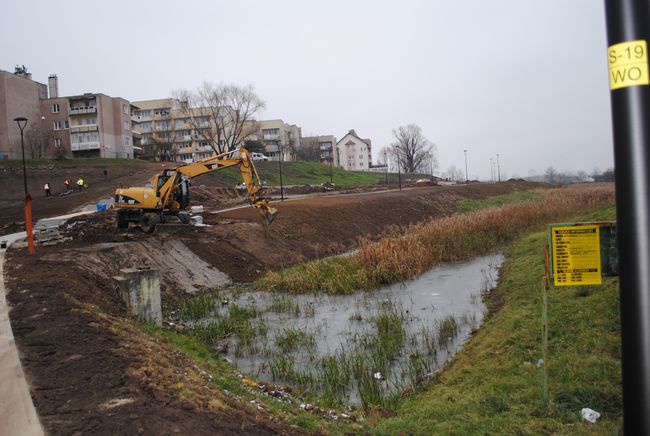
(92, 371)
(99, 186)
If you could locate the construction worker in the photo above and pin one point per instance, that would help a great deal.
(80, 184)
(46, 187)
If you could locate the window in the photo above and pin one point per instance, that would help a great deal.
(57, 125)
(125, 108)
(127, 141)
(361, 156)
(66, 124)
(57, 142)
(126, 125)
(56, 108)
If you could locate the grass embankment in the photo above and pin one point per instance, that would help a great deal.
(409, 252)
(494, 384)
(306, 173)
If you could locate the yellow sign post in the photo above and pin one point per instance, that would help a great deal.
(576, 255)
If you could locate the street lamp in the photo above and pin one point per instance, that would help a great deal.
(399, 170)
(280, 169)
(498, 167)
(466, 176)
(331, 160)
(22, 122)
(386, 163)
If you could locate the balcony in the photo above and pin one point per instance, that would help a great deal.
(83, 129)
(271, 136)
(82, 110)
(79, 146)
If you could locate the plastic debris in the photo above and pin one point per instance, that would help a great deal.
(590, 415)
(378, 376)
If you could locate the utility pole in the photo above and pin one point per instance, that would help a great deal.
(628, 31)
(399, 170)
(386, 163)
(466, 176)
(498, 167)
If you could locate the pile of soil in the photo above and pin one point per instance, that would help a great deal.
(92, 371)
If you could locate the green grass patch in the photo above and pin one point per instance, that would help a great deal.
(305, 173)
(198, 307)
(493, 386)
(466, 205)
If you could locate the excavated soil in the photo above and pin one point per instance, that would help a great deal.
(93, 372)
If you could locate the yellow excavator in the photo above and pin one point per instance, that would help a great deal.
(169, 194)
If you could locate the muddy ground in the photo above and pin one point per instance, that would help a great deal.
(92, 371)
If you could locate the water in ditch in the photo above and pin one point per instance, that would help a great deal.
(361, 348)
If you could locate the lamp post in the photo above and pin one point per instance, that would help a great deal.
(331, 160)
(22, 122)
(498, 168)
(466, 176)
(280, 169)
(399, 170)
(386, 163)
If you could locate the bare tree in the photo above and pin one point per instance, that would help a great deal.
(414, 152)
(550, 175)
(162, 146)
(38, 140)
(454, 174)
(223, 115)
(309, 149)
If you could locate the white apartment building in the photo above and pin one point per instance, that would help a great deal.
(354, 153)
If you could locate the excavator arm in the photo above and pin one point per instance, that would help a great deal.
(241, 158)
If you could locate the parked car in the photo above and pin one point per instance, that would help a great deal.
(260, 156)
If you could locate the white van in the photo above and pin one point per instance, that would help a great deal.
(259, 156)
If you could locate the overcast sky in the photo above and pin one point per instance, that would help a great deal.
(523, 78)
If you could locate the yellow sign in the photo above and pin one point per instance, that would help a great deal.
(628, 64)
(576, 255)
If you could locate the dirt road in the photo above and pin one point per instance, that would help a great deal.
(92, 371)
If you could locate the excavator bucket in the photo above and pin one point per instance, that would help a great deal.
(269, 214)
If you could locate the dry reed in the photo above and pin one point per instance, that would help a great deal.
(420, 247)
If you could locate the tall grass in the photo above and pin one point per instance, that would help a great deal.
(457, 237)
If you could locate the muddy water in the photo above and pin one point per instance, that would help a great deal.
(400, 334)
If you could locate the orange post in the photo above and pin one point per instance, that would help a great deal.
(28, 224)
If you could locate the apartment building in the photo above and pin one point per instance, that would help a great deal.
(20, 96)
(354, 153)
(321, 148)
(100, 126)
(171, 132)
(88, 125)
(155, 126)
(278, 138)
